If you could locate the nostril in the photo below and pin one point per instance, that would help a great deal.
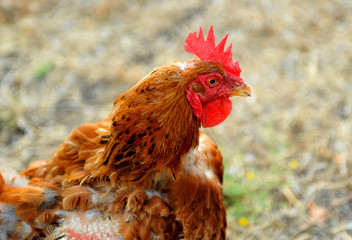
(237, 83)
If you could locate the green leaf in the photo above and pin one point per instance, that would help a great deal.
(42, 70)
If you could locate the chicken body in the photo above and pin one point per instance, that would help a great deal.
(145, 172)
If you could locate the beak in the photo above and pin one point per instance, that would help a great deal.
(243, 91)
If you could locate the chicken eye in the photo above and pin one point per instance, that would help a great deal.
(212, 82)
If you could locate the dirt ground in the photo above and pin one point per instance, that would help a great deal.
(287, 150)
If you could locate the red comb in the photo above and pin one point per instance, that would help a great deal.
(207, 51)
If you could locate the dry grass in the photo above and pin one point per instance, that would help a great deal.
(63, 62)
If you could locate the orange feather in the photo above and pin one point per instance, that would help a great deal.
(77, 197)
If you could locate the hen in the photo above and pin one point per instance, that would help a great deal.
(146, 171)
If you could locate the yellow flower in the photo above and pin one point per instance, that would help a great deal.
(293, 164)
(250, 175)
(243, 221)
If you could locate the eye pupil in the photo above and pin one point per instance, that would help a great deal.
(211, 82)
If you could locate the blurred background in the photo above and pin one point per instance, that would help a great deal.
(287, 150)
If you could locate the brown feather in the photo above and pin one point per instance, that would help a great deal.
(77, 197)
(136, 201)
(156, 206)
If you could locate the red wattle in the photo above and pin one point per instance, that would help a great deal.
(215, 112)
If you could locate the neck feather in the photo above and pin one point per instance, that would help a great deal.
(153, 125)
